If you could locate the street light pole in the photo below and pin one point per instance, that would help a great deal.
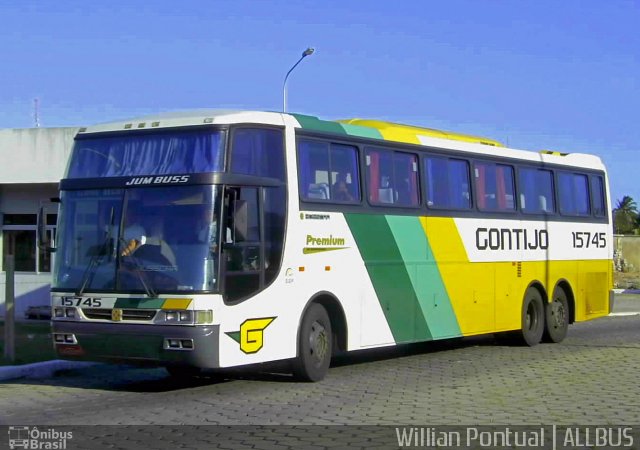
(306, 53)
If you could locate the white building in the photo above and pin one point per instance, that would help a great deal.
(33, 161)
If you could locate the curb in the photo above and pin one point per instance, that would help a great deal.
(626, 291)
(43, 369)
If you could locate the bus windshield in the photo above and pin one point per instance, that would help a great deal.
(175, 152)
(152, 240)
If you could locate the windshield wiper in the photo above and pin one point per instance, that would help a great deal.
(137, 269)
(96, 258)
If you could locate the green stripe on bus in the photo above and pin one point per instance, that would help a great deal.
(358, 130)
(313, 123)
(389, 277)
(326, 126)
(425, 277)
(139, 303)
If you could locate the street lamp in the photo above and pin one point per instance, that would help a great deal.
(307, 52)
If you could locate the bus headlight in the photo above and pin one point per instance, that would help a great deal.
(64, 313)
(188, 316)
(185, 316)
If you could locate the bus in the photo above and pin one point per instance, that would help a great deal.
(213, 239)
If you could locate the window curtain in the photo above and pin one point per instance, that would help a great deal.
(149, 154)
(374, 175)
(501, 194)
(457, 181)
(413, 180)
(480, 186)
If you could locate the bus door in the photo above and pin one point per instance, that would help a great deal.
(252, 238)
(242, 243)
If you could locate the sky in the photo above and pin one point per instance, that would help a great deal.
(534, 74)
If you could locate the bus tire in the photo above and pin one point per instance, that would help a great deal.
(314, 345)
(556, 322)
(532, 317)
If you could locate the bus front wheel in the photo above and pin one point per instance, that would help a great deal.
(532, 317)
(314, 345)
(556, 317)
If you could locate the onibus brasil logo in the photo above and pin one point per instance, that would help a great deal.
(251, 334)
(33, 438)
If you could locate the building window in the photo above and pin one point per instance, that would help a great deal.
(22, 245)
(19, 239)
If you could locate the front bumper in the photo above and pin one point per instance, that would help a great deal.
(138, 344)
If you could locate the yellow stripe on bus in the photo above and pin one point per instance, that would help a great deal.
(176, 303)
(487, 296)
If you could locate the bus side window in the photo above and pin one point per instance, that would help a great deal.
(573, 189)
(536, 190)
(313, 160)
(495, 187)
(447, 183)
(259, 152)
(597, 196)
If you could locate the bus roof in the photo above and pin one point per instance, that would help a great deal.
(366, 128)
(187, 118)
(410, 132)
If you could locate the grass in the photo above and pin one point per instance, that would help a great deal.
(33, 343)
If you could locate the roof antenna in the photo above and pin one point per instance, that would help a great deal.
(36, 111)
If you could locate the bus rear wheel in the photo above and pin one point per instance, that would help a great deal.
(314, 345)
(532, 317)
(556, 317)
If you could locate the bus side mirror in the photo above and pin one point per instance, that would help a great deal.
(44, 239)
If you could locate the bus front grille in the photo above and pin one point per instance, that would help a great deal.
(127, 314)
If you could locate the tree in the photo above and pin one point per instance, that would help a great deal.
(625, 215)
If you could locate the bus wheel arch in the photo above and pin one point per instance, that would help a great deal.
(559, 312)
(322, 306)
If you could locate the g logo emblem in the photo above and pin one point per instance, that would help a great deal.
(251, 334)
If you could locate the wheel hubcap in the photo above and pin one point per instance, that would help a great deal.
(557, 314)
(318, 342)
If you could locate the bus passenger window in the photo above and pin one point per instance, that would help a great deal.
(392, 177)
(495, 187)
(573, 189)
(536, 191)
(328, 172)
(447, 182)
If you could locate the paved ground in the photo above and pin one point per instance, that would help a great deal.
(591, 378)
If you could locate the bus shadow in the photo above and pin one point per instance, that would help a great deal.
(124, 378)
(280, 371)
(407, 350)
